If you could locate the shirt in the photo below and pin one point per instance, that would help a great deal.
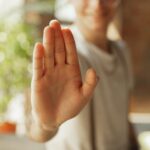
(103, 123)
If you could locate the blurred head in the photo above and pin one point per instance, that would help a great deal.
(95, 14)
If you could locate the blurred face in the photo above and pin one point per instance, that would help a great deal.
(96, 14)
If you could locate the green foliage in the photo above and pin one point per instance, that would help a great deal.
(16, 45)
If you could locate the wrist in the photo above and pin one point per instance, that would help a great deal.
(38, 132)
(45, 126)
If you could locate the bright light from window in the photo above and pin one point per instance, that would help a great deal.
(144, 140)
(64, 11)
(9, 9)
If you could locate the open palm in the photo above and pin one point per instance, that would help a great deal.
(58, 93)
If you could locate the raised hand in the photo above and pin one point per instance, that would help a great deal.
(57, 91)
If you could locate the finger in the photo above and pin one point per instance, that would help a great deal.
(38, 56)
(71, 53)
(59, 43)
(89, 83)
(48, 42)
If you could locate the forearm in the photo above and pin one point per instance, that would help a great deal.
(34, 130)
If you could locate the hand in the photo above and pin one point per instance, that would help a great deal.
(57, 91)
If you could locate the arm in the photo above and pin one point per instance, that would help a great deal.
(57, 91)
(34, 130)
(37, 133)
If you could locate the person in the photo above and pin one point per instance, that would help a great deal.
(70, 107)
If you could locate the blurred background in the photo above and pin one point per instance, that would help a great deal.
(21, 25)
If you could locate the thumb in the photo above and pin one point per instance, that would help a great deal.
(90, 83)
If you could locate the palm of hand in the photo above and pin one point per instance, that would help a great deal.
(57, 90)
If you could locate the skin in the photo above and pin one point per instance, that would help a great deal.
(57, 91)
(93, 18)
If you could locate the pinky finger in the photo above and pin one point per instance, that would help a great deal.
(38, 56)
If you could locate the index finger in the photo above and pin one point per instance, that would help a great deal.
(71, 53)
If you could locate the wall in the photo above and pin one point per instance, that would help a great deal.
(136, 31)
